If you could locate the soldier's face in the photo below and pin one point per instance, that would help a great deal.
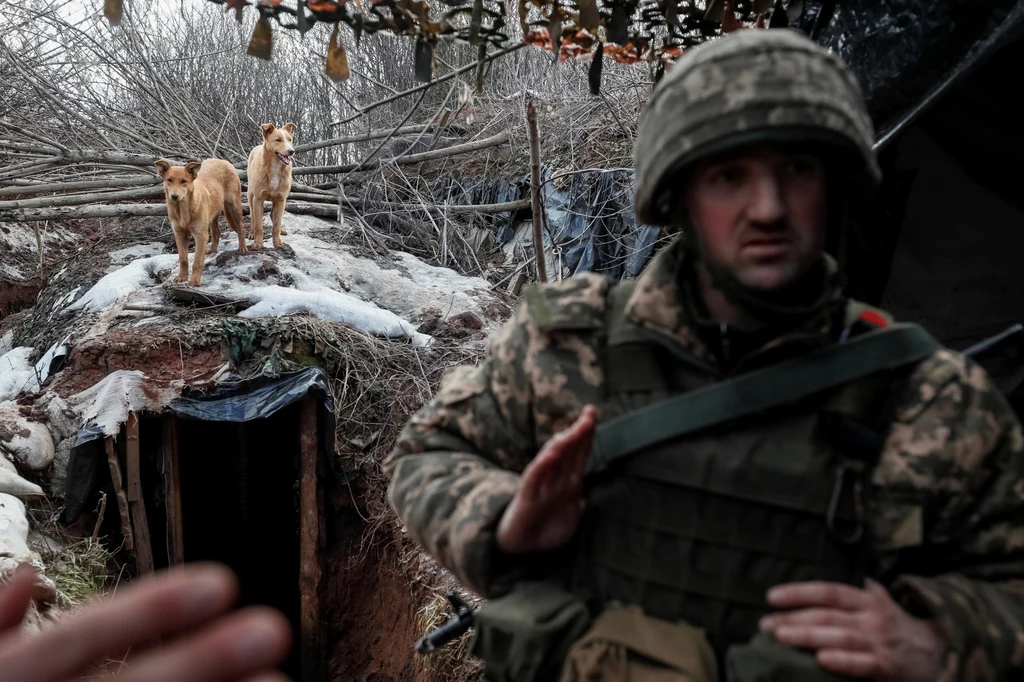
(760, 214)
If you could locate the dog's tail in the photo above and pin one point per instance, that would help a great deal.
(233, 210)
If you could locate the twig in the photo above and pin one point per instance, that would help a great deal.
(424, 86)
(538, 241)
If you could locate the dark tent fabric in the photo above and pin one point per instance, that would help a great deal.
(908, 53)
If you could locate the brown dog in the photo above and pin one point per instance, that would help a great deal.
(196, 194)
(270, 179)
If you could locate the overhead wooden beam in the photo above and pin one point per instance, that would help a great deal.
(136, 499)
(309, 545)
(172, 492)
(122, 500)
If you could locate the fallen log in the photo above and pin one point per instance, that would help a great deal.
(28, 187)
(81, 199)
(493, 141)
(322, 210)
(28, 215)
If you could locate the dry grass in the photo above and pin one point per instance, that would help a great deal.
(80, 572)
(450, 663)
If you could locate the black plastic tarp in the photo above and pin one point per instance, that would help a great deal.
(241, 401)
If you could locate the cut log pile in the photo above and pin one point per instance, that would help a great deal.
(45, 180)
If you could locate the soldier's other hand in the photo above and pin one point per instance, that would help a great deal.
(857, 632)
(186, 609)
(545, 511)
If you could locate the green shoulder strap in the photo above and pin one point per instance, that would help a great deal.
(747, 394)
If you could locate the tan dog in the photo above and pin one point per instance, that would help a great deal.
(196, 195)
(270, 179)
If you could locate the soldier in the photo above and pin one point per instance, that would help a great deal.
(784, 483)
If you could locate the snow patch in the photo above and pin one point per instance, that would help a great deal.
(407, 289)
(17, 375)
(21, 253)
(122, 283)
(127, 255)
(336, 306)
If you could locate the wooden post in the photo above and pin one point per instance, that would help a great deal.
(309, 544)
(136, 500)
(538, 239)
(122, 500)
(172, 492)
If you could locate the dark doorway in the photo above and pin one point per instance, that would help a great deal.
(240, 506)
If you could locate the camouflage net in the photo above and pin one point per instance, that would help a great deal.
(626, 31)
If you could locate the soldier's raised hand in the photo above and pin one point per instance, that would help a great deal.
(545, 511)
(188, 609)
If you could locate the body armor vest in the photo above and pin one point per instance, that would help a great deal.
(698, 527)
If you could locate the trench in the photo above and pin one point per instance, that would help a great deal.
(239, 489)
(17, 296)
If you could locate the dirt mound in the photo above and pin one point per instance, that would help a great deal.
(461, 326)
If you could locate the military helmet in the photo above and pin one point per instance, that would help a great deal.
(754, 85)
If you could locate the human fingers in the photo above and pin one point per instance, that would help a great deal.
(269, 677)
(585, 443)
(833, 617)
(156, 606)
(818, 594)
(16, 595)
(552, 464)
(237, 647)
(822, 637)
(858, 664)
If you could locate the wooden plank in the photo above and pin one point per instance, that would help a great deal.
(515, 285)
(136, 500)
(122, 500)
(309, 545)
(172, 492)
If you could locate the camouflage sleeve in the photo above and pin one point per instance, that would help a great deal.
(456, 464)
(958, 448)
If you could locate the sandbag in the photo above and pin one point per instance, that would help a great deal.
(11, 483)
(27, 442)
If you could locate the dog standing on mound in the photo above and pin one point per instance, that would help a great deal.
(196, 195)
(270, 179)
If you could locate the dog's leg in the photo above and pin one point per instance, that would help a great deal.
(256, 220)
(233, 214)
(277, 213)
(197, 263)
(215, 235)
(181, 241)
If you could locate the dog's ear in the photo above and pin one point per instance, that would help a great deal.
(290, 127)
(268, 128)
(193, 168)
(162, 165)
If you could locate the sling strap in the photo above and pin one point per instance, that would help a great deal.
(747, 394)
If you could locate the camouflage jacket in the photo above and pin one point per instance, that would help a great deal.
(950, 472)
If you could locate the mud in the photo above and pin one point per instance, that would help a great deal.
(163, 358)
(368, 606)
(17, 296)
(461, 326)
